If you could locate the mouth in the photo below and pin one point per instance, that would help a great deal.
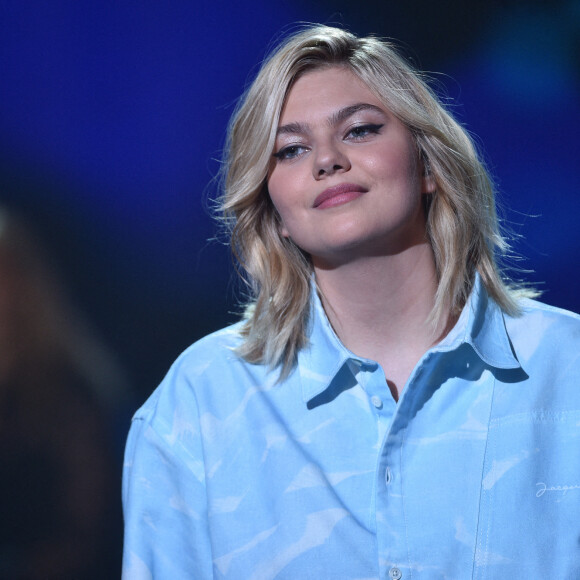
(339, 194)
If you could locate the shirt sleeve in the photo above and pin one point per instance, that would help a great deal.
(164, 502)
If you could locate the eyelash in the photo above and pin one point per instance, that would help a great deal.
(371, 128)
(287, 153)
(292, 151)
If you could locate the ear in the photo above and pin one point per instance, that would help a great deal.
(282, 230)
(278, 220)
(428, 184)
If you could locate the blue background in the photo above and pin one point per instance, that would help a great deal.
(113, 115)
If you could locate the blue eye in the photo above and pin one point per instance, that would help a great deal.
(290, 152)
(362, 131)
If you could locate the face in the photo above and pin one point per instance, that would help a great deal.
(345, 178)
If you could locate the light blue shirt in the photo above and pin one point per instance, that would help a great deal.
(474, 473)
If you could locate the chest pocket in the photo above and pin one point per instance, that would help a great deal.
(529, 522)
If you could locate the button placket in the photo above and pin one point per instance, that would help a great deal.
(390, 514)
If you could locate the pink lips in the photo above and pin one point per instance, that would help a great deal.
(339, 194)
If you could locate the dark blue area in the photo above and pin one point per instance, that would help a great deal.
(521, 89)
(113, 115)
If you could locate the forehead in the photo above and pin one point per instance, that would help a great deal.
(323, 91)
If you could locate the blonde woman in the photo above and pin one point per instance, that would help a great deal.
(390, 406)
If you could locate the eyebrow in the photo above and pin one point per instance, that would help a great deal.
(335, 119)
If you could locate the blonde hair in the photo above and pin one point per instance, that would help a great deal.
(462, 223)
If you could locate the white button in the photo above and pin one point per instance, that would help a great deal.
(388, 476)
(376, 401)
(395, 574)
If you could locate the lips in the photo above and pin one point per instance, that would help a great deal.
(339, 194)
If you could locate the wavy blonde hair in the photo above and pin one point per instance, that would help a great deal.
(462, 223)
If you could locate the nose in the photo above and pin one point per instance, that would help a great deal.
(329, 159)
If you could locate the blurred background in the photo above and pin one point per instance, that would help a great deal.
(112, 120)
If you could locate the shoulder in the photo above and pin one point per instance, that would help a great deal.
(208, 375)
(213, 353)
(543, 321)
(547, 337)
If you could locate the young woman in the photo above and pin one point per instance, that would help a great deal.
(390, 406)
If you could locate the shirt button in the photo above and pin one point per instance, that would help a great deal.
(388, 479)
(395, 574)
(376, 401)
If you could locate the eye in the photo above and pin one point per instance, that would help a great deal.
(290, 152)
(362, 131)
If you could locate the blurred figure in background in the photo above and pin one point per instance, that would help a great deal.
(60, 392)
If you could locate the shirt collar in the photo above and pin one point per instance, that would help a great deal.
(481, 324)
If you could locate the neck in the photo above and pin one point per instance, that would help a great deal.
(379, 307)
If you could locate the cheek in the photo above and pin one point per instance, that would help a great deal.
(405, 171)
